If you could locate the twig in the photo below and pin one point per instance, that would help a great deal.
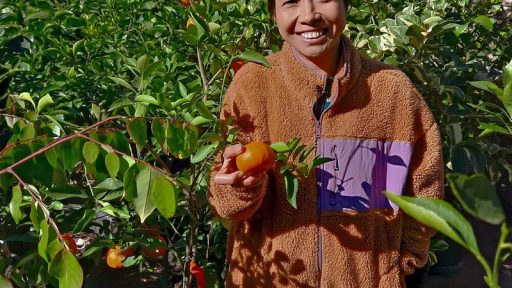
(158, 159)
(35, 195)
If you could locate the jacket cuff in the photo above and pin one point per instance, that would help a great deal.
(415, 245)
(236, 203)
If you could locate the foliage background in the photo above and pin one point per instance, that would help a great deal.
(101, 59)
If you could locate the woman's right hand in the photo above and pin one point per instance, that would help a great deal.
(229, 174)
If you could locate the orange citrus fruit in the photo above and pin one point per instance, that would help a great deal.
(185, 3)
(257, 157)
(115, 256)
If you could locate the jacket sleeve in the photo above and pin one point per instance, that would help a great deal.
(239, 203)
(426, 179)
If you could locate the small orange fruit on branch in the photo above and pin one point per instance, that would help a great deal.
(256, 158)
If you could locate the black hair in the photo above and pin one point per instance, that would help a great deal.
(271, 5)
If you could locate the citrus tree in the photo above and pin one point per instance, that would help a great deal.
(110, 123)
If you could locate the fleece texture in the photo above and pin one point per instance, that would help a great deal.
(374, 111)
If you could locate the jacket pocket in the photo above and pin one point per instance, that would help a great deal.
(361, 170)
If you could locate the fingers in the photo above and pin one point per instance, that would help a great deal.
(228, 179)
(228, 173)
(249, 181)
(232, 151)
(229, 158)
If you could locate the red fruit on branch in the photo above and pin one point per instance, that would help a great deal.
(198, 273)
(70, 243)
(156, 248)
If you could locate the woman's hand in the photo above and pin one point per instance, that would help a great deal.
(229, 173)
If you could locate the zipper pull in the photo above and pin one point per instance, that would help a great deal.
(336, 162)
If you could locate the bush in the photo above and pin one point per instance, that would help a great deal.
(111, 120)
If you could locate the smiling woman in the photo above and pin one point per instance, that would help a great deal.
(364, 115)
(313, 28)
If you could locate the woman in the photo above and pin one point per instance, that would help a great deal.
(365, 115)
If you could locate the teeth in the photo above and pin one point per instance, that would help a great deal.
(311, 35)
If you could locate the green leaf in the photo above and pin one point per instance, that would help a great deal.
(77, 45)
(460, 29)
(158, 130)
(493, 127)
(90, 151)
(488, 86)
(144, 206)
(138, 131)
(119, 104)
(203, 110)
(27, 132)
(250, 55)
(485, 21)
(4, 283)
(293, 144)
(98, 245)
(202, 153)
(321, 160)
(305, 154)
(69, 156)
(140, 110)
(200, 24)
(280, 147)
(291, 184)
(66, 269)
(122, 82)
(146, 99)
(439, 215)
(142, 63)
(26, 97)
(130, 185)
(84, 221)
(507, 74)
(214, 27)
(183, 89)
(298, 150)
(46, 236)
(478, 197)
(200, 120)
(36, 216)
(53, 248)
(66, 191)
(163, 194)
(506, 99)
(14, 205)
(112, 163)
(43, 102)
(109, 184)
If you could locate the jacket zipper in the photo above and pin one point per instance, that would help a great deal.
(318, 127)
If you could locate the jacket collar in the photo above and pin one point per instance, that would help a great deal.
(305, 77)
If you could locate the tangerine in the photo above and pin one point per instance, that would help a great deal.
(115, 256)
(257, 157)
(185, 3)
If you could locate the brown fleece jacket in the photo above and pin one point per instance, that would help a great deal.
(344, 232)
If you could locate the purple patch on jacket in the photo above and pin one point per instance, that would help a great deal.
(360, 172)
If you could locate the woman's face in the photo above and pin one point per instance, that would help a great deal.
(313, 27)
